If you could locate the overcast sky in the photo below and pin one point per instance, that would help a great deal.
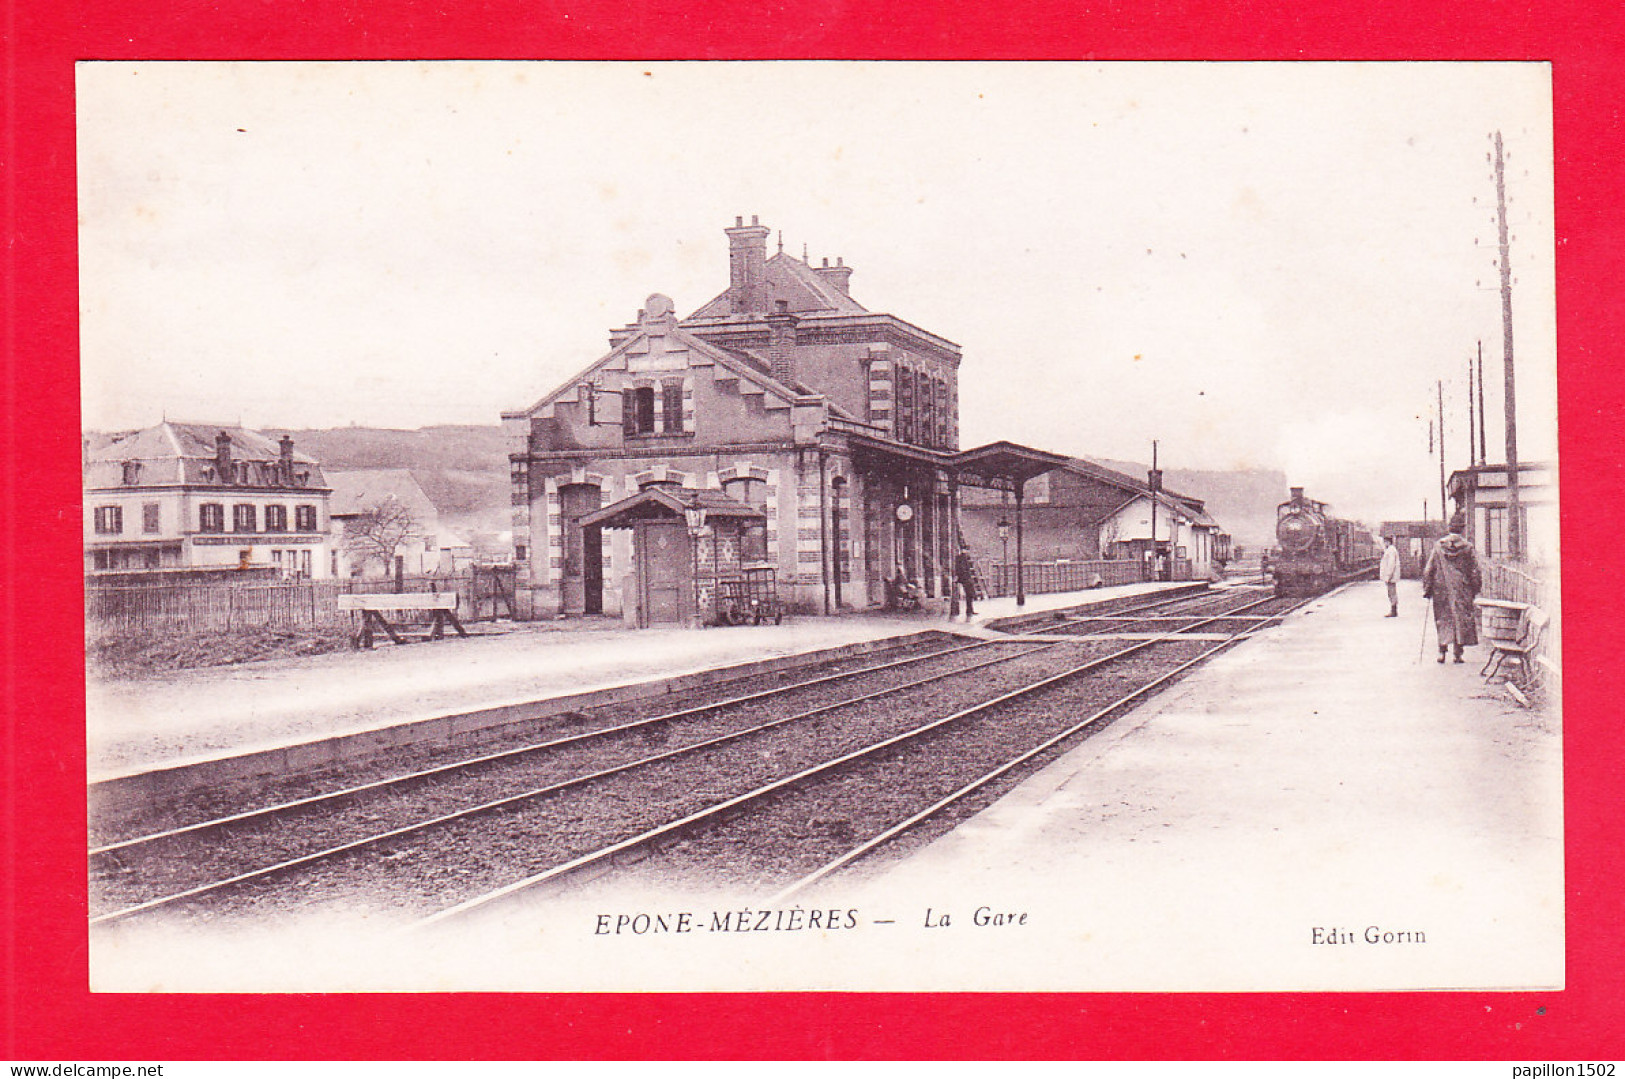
(1256, 264)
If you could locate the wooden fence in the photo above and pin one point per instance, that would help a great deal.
(1039, 577)
(166, 606)
(1531, 584)
(1518, 583)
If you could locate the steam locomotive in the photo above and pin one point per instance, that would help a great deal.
(1318, 550)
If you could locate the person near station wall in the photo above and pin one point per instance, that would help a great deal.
(1388, 574)
(965, 574)
(1451, 580)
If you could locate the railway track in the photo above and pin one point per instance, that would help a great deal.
(576, 802)
(817, 822)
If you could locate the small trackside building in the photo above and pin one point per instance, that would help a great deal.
(1083, 512)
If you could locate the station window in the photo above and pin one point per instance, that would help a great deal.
(211, 517)
(150, 517)
(304, 518)
(671, 407)
(245, 517)
(904, 404)
(752, 534)
(638, 411)
(276, 518)
(109, 520)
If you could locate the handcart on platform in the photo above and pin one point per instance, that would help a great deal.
(752, 596)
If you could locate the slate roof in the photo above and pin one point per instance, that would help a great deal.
(1195, 507)
(791, 280)
(354, 491)
(668, 502)
(172, 452)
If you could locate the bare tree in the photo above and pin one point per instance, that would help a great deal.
(378, 531)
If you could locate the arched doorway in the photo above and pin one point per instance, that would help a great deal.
(582, 583)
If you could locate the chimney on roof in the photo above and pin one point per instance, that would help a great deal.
(837, 275)
(222, 457)
(747, 267)
(781, 342)
(285, 459)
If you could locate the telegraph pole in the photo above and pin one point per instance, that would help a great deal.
(1155, 483)
(1483, 444)
(1472, 423)
(1514, 514)
(1443, 513)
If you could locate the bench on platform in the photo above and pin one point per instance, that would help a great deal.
(1513, 631)
(374, 606)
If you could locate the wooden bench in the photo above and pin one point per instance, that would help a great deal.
(1513, 631)
(373, 606)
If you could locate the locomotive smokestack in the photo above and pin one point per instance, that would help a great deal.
(1297, 494)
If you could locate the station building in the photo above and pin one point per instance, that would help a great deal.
(190, 497)
(782, 429)
(1481, 493)
(825, 436)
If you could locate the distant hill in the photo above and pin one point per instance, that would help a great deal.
(1242, 501)
(462, 468)
(464, 471)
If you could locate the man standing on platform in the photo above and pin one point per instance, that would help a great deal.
(1451, 580)
(1388, 574)
(965, 574)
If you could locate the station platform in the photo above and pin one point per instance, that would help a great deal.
(171, 720)
(1249, 827)
(1322, 808)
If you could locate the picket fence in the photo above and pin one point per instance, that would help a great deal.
(166, 606)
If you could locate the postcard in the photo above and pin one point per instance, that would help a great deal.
(820, 526)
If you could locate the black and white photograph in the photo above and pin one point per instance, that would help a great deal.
(856, 526)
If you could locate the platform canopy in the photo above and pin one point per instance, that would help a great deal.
(1003, 465)
(664, 503)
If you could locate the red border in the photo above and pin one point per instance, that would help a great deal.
(48, 1013)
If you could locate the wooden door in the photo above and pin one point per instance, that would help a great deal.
(665, 571)
(574, 501)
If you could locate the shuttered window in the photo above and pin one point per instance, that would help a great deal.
(638, 411)
(671, 407)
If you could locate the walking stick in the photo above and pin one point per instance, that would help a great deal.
(1421, 645)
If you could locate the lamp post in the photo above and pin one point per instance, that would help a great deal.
(694, 516)
(1004, 564)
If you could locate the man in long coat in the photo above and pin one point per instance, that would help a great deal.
(1451, 580)
(965, 574)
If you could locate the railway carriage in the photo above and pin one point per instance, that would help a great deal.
(1318, 550)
